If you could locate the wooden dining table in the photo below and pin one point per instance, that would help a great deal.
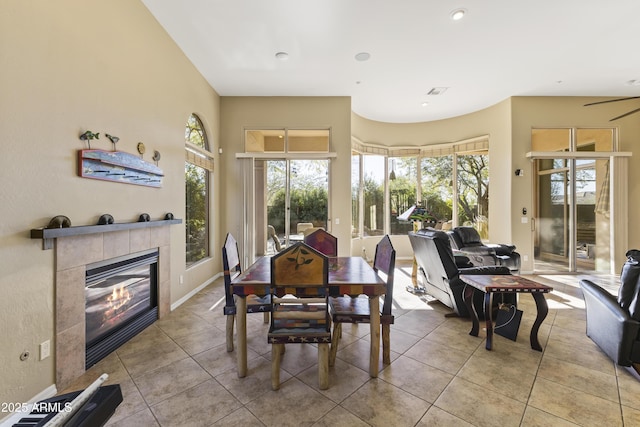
(347, 276)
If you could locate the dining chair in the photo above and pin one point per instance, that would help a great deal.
(299, 311)
(323, 241)
(301, 226)
(347, 309)
(232, 269)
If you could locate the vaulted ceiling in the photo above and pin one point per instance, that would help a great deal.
(499, 49)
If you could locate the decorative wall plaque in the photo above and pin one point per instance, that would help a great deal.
(118, 166)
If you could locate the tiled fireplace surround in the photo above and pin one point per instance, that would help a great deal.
(72, 254)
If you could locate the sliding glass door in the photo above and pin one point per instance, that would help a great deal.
(297, 198)
(573, 225)
(287, 186)
(553, 217)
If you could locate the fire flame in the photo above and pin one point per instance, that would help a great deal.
(118, 298)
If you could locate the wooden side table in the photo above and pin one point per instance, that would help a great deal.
(490, 284)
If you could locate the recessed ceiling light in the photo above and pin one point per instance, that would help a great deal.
(282, 56)
(424, 104)
(363, 56)
(458, 14)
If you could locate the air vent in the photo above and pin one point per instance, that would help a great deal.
(437, 91)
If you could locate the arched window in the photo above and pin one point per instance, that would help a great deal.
(198, 165)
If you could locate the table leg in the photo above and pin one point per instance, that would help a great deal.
(241, 324)
(488, 308)
(374, 353)
(543, 309)
(468, 300)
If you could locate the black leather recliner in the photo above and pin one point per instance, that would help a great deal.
(614, 323)
(467, 240)
(439, 274)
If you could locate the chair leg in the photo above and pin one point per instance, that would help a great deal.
(386, 344)
(266, 317)
(230, 320)
(276, 353)
(337, 333)
(323, 366)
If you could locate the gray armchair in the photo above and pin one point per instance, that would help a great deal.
(614, 323)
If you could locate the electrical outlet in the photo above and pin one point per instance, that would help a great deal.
(45, 349)
(181, 279)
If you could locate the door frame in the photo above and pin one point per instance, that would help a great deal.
(250, 233)
(618, 164)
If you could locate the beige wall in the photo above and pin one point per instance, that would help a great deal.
(68, 66)
(240, 113)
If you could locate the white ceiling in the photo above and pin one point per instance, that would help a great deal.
(501, 48)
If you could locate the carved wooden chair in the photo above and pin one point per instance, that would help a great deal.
(346, 309)
(231, 268)
(323, 241)
(302, 272)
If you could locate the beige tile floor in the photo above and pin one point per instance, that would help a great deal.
(178, 373)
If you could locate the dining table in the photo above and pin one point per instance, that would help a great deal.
(351, 276)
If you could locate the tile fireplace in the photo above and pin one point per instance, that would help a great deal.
(77, 255)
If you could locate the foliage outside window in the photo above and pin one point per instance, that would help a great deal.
(443, 183)
(437, 186)
(473, 192)
(355, 194)
(403, 180)
(198, 164)
(308, 193)
(373, 189)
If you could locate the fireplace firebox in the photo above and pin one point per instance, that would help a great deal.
(121, 300)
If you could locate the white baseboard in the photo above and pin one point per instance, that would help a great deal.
(192, 293)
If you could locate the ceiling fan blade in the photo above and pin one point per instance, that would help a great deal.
(611, 100)
(625, 114)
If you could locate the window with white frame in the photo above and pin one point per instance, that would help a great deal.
(450, 180)
(198, 166)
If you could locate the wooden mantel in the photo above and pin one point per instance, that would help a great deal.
(48, 234)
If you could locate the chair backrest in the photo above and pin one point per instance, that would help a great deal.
(629, 291)
(432, 249)
(323, 241)
(230, 266)
(467, 236)
(385, 261)
(310, 230)
(271, 231)
(300, 270)
(301, 226)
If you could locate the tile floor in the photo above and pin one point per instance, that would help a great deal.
(178, 373)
